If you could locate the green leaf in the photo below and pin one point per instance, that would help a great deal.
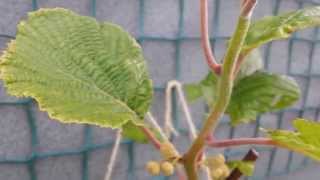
(131, 131)
(194, 92)
(279, 27)
(259, 93)
(245, 167)
(79, 70)
(207, 87)
(306, 140)
(252, 95)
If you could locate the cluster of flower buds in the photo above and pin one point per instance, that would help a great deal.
(218, 168)
(171, 156)
(155, 168)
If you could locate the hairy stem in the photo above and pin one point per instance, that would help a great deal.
(205, 39)
(224, 94)
(241, 141)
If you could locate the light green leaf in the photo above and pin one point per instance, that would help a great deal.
(279, 27)
(193, 92)
(259, 93)
(79, 70)
(245, 167)
(205, 88)
(306, 140)
(131, 131)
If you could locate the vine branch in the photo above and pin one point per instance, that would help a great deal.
(225, 88)
(205, 39)
(241, 141)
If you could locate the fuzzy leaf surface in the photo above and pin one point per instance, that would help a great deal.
(259, 93)
(78, 70)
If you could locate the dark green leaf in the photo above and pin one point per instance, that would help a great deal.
(282, 26)
(252, 95)
(306, 140)
(259, 93)
(245, 167)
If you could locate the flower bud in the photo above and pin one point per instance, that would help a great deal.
(215, 161)
(167, 168)
(153, 168)
(226, 171)
(168, 151)
(216, 174)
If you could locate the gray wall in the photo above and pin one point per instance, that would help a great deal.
(161, 19)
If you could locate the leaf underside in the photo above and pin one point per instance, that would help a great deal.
(305, 140)
(79, 70)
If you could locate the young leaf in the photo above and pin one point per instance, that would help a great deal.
(259, 93)
(279, 27)
(79, 70)
(306, 140)
(245, 167)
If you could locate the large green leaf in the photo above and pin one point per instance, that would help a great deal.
(79, 70)
(305, 140)
(282, 26)
(259, 93)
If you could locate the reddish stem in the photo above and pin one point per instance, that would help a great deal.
(205, 40)
(247, 6)
(242, 141)
(151, 137)
(181, 175)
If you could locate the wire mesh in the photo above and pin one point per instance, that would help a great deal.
(88, 146)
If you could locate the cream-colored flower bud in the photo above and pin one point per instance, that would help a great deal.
(167, 168)
(225, 169)
(168, 151)
(153, 168)
(216, 174)
(215, 161)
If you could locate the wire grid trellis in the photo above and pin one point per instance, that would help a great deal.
(88, 146)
